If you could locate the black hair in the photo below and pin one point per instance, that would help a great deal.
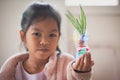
(39, 11)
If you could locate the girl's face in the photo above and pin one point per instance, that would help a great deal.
(42, 38)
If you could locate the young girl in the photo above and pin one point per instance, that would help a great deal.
(44, 61)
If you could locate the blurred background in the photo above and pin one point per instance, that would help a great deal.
(103, 24)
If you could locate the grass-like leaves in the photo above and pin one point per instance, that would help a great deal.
(80, 22)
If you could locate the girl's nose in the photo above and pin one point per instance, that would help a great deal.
(44, 41)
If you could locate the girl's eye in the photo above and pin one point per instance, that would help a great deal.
(36, 34)
(52, 35)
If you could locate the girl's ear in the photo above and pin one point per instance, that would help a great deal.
(22, 35)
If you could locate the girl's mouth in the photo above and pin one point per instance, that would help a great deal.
(43, 50)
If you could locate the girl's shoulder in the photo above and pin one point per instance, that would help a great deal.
(17, 57)
(13, 60)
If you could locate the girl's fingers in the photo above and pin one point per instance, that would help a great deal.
(87, 65)
(76, 64)
(81, 63)
(88, 59)
(92, 63)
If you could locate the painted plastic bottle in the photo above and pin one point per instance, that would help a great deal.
(80, 43)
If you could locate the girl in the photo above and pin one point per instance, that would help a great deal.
(44, 61)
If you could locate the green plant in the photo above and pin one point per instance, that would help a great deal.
(80, 22)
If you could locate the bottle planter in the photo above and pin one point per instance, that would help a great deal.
(80, 42)
(79, 35)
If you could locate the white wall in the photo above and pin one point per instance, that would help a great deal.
(103, 26)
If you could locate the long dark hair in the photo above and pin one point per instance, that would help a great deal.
(39, 11)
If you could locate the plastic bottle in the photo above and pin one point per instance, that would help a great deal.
(80, 43)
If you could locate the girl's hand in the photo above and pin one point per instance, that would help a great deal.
(83, 63)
